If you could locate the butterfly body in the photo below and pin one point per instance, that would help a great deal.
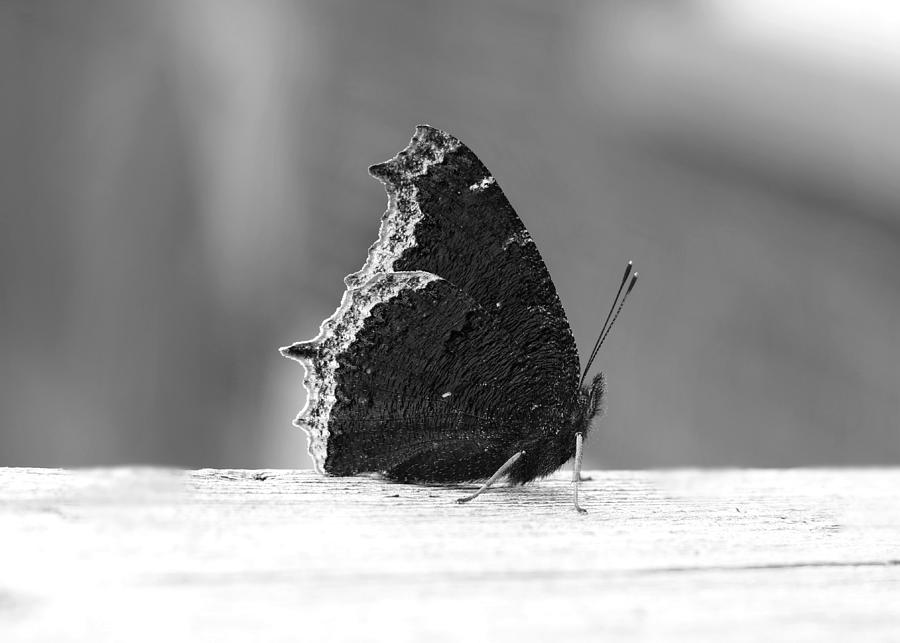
(450, 351)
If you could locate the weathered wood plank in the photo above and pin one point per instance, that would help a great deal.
(150, 554)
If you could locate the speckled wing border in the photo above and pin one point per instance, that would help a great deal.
(427, 148)
(367, 287)
(319, 354)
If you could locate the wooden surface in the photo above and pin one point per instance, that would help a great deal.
(155, 555)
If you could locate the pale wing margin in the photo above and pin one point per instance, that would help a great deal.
(319, 354)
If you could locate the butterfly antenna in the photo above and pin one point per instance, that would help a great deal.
(619, 309)
(603, 330)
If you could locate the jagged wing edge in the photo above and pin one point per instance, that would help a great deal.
(318, 356)
(396, 234)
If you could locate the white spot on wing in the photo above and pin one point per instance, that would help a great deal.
(482, 184)
(521, 237)
(447, 394)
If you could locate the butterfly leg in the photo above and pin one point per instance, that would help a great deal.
(576, 472)
(500, 473)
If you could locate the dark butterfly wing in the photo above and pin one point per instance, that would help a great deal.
(450, 348)
(413, 378)
(448, 216)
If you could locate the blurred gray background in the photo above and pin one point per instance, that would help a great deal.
(183, 187)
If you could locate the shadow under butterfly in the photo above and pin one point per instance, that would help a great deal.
(450, 358)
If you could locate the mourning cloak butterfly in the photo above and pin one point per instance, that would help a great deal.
(450, 358)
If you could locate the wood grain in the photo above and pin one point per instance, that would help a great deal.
(152, 554)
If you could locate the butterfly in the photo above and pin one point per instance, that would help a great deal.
(449, 358)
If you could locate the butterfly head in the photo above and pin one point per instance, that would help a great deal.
(591, 404)
(595, 398)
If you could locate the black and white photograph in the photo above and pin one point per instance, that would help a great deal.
(403, 321)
